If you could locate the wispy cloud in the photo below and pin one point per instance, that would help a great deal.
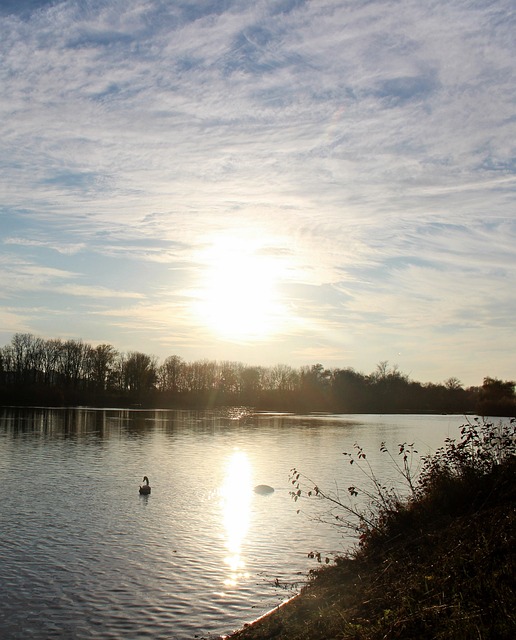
(66, 248)
(372, 147)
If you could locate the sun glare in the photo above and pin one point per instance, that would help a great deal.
(238, 298)
(236, 502)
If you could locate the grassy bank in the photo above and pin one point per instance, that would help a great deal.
(438, 565)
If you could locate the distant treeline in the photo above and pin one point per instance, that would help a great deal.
(55, 372)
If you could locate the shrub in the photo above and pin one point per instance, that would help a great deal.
(482, 447)
(447, 479)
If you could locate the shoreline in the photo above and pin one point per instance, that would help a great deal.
(261, 619)
(439, 565)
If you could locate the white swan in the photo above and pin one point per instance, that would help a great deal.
(145, 488)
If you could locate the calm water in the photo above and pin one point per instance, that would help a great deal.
(83, 555)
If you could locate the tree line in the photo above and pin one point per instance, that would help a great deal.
(56, 372)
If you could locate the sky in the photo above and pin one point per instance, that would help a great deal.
(275, 181)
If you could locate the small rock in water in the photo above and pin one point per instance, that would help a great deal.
(263, 489)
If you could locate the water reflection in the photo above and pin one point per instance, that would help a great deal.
(236, 495)
(96, 555)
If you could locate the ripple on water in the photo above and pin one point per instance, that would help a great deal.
(83, 556)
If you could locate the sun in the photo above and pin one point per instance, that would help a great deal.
(238, 298)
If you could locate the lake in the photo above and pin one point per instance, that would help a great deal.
(84, 555)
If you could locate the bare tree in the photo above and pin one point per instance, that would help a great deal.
(99, 365)
(140, 373)
(171, 375)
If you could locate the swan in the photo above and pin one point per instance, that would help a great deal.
(145, 488)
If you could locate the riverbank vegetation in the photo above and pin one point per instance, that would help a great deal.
(438, 564)
(70, 372)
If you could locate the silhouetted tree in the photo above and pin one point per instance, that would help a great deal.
(51, 355)
(497, 398)
(139, 374)
(67, 372)
(70, 364)
(389, 389)
(98, 365)
(251, 385)
(170, 375)
(350, 391)
(315, 387)
(26, 353)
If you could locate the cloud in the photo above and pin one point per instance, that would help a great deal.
(95, 292)
(372, 148)
(65, 248)
(22, 276)
(24, 8)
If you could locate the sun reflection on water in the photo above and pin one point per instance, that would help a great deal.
(236, 495)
